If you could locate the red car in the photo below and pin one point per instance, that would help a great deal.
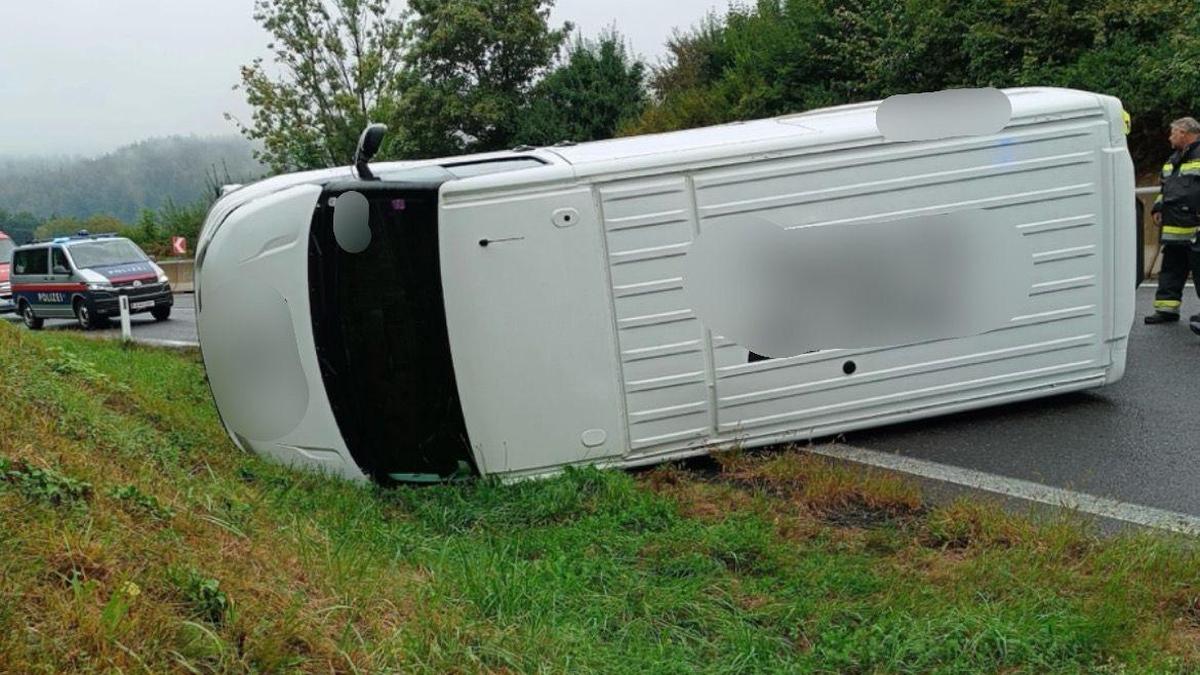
(6, 249)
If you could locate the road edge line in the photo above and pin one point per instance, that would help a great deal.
(1137, 514)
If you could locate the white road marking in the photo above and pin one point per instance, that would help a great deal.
(1014, 487)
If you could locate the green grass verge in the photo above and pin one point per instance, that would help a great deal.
(135, 538)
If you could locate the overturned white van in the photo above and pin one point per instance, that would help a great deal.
(519, 312)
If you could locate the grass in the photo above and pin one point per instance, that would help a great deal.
(135, 538)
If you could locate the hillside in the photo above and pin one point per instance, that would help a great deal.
(127, 180)
(135, 538)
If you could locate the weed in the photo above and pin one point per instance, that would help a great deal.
(43, 485)
(203, 596)
(66, 362)
(142, 502)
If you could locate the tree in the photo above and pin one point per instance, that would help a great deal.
(20, 226)
(472, 66)
(339, 66)
(598, 87)
(62, 226)
(783, 56)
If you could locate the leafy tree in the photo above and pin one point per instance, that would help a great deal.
(19, 226)
(339, 66)
(473, 65)
(96, 224)
(598, 87)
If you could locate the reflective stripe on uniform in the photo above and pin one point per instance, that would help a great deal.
(1167, 306)
(1189, 169)
(1171, 233)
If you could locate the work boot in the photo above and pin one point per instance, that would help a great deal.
(1194, 323)
(1162, 317)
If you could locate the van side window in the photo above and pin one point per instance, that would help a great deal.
(58, 261)
(33, 261)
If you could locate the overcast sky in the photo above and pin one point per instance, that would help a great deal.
(85, 76)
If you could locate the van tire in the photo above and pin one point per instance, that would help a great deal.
(83, 315)
(161, 313)
(31, 322)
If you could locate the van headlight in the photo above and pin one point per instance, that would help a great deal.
(100, 286)
(162, 278)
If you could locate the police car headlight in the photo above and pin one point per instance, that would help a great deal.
(162, 278)
(100, 286)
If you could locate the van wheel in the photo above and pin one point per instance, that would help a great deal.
(31, 321)
(161, 313)
(84, 315)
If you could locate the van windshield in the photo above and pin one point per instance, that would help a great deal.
(6, 249)
(105, 253)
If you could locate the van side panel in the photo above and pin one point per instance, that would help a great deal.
(1052, 181)
(530, 326)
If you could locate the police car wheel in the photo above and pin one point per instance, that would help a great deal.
(31, 321)
(84, 316)
(161, 313)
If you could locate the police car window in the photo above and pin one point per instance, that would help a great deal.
(33, 261)
(469, 169)
(58, 261)
(105, 252)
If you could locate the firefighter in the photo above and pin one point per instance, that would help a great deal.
(1177, 212)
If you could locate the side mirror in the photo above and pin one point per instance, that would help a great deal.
(368, 145)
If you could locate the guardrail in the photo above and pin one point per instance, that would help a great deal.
(181, 272)
(1148, 234)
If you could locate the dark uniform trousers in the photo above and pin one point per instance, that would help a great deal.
(1177, 261)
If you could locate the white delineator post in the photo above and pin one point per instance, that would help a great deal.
(126, 332)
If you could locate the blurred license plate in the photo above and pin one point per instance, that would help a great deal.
(141, 305)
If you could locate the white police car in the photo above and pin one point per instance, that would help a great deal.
(83, 277)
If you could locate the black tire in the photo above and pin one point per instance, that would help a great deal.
(83, 315)
(161, 313)
(31, 322)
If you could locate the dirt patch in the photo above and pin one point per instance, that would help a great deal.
(705, 500)
(74, 566)
(857, 512)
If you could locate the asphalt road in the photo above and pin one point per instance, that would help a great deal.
(181, 327)
(1137, 441)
